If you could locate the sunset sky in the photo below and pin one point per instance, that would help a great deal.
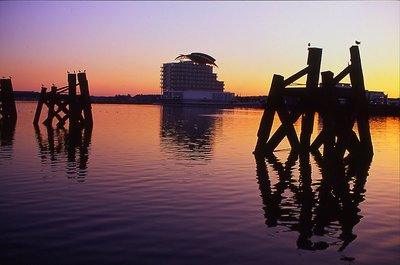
(122, 45)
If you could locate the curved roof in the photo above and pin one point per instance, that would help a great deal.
(198, 57)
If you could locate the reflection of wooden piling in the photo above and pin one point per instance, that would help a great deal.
(72, 146)
(66, 104)
(310, 208)
(339, 108)
(8, 110)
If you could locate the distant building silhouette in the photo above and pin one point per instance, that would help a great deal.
(192, 80)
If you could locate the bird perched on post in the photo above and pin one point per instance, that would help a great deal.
(358, 42)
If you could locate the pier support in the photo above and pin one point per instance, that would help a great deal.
(340, 107)
(8, 111)
(66, 104)
(276, 103)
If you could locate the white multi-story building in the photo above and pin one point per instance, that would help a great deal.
(192, 80)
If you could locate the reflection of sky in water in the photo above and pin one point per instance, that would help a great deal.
(146, 200)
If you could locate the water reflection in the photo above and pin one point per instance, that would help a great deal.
(7, 131)
(59, 145)
(323, 212)
(189, 132)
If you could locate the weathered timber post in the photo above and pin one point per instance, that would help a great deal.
(85, 99)
(51, 104)
(269, 113)
(328, 114)
(307, 123)
(73, 110)
(8, 110)
(39, 107)
(357, 81)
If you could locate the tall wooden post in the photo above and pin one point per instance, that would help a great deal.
(39, 107)
(51, 105)
(85, 99)
(307, 123)
(73, 110)
(357, 81)
(269, 113)
(8, 109)
(328, 115)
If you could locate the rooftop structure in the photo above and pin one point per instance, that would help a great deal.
(198, 57)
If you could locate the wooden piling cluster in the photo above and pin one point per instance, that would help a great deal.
(65, 103)
(8, 111)
(339, 107)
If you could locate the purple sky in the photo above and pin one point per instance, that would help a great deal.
(123, 44)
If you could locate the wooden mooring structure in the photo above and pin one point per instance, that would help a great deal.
(8, 111)
(339, 107)
(65, 103)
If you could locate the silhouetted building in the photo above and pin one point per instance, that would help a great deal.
(192, 80)
(376, 97)
(393, 101)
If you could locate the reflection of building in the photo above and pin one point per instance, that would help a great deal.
(193, 80)
(66, 146)
(188, 132)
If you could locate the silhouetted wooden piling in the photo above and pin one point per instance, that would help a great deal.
(307, 121)
(8, 110)
(40, 105)
(339, 107)
(276, 103)
(73, 104)
(85, 99)
(64, 103)
(269, 113)
(328, 108)
(51, 105)
(357, 81)
(339, 119)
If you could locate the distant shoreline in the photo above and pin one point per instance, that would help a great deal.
(256, 102)
(374, 111)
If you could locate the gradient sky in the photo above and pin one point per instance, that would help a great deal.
(122, 45)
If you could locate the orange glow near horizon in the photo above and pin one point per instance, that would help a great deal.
(122, 45)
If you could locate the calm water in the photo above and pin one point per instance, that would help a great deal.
(165, 185)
